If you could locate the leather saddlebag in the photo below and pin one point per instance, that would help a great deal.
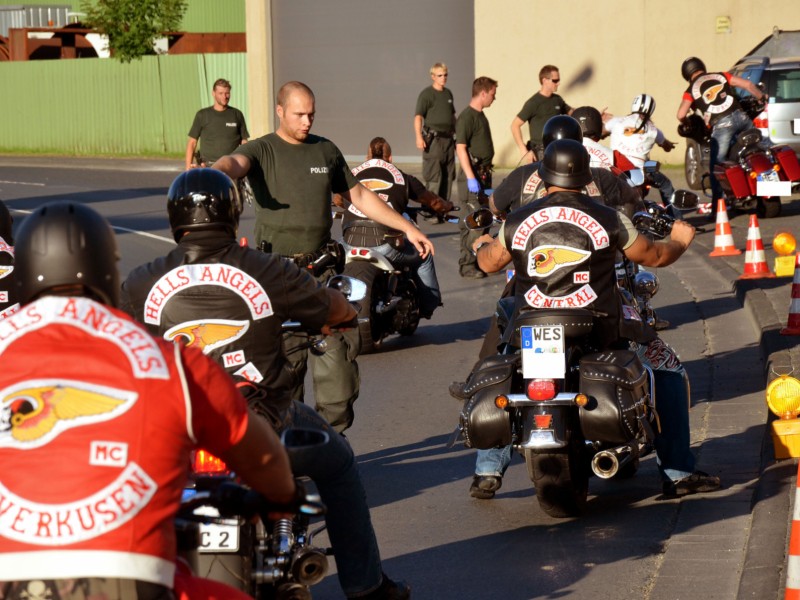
(483, 424)
(616, 383)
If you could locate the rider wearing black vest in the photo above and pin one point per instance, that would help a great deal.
(563, 248)
(396, 188)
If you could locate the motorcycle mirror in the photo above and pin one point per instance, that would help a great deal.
(480, 219)
(685, 200)
(635, 177)
(353, 289)
(651, 166)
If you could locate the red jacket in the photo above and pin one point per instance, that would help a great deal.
(97, 421)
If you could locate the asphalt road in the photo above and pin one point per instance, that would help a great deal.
(630, 544)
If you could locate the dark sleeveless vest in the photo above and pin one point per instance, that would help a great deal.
(564, 248)
(391, 186)
(713, 96)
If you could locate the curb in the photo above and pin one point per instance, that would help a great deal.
(764, 567)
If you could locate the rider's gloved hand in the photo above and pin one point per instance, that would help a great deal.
(472, 186)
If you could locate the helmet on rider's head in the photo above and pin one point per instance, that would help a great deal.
(561, 127)
(691, 65)
(68, 248)
(6, 221)
(590, 120)
(565, 164)
(201, 199)
(644, 104)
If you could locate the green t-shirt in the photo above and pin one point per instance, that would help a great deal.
(472, 129)
(538, 109)
(293, 184)
(437, 109)
(220, 131)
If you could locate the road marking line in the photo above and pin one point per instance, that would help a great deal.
(160, 238)
(23, 183)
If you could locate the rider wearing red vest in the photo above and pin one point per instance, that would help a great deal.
(97, 422)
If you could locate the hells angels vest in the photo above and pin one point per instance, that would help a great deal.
(564, 247)
(391, 186)
(712, 95)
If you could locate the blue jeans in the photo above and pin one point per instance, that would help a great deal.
(430, 296)
(673, 453)
(333, 469)
(723, 136)
(664, 185)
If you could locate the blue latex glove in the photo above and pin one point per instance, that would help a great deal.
(472, 186)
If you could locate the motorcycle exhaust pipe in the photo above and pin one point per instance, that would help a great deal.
(606, 463)
(310, 565)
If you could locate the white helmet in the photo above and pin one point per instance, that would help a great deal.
(643, 104)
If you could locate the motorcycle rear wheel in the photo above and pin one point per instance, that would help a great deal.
(369, 321)
(561, 480)
(768, 208)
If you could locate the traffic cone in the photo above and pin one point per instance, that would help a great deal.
(793, 559)
(793, 326)
(723, 237)
(755, 262)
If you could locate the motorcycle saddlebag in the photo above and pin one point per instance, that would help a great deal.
(483, 424)
(616, 383)
(787, 159)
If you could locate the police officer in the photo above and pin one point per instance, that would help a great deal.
(712, 94)
(230, 301)
(565, 171)
(475, 151)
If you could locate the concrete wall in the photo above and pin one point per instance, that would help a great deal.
(608, 52)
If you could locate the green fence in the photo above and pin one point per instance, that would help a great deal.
(100, 106)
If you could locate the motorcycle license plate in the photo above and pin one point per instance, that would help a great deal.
(796, 126)
(543, 351)
(769, 184)
(218, 538)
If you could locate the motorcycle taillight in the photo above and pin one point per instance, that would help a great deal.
(762, 120)
(541, 389)
(205, 463)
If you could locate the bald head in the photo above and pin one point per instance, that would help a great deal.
(289, 89)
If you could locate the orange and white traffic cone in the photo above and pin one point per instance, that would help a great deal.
(723, 236)
(755, 262)
(793, 326)
(793, 559)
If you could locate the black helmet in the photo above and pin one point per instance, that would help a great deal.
(590, 121)
(6, 221)
(561, 127)
(565, 164)
(203, 199)
(66, 243)
(691, 65)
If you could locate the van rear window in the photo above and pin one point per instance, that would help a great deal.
(785, 86)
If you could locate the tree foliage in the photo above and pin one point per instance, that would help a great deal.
(132, 26)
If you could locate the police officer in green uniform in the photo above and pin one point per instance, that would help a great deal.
(221, 126)
(434, 128)
(294, 174)
(475, 151)
(536, 111)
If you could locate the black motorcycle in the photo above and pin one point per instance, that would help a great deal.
(567, 407)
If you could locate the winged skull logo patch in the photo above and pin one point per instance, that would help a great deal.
(543, 260)
(207, 334)
(33, 413)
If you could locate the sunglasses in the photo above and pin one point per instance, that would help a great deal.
(555, 80)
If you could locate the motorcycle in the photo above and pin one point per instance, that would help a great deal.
(755, 175)
(270, 558)
(569, 409)
(391, 304)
